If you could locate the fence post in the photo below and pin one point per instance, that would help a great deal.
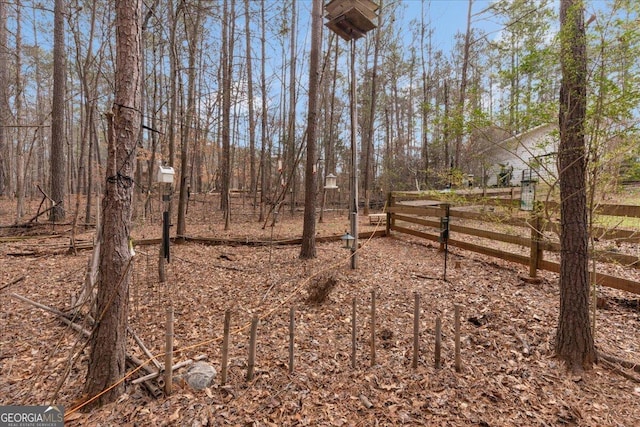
(536, 253)
(513, 196)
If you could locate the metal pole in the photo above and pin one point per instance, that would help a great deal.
(354, 160)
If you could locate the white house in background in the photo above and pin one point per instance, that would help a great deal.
(531, 152)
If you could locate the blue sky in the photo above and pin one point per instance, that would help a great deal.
(449, 17)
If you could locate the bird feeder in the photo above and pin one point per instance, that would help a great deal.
(165, 174)
(527, 190)
(347, 239)
(351, 19)
(330, 182)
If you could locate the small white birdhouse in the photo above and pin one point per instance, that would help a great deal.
(165, 174)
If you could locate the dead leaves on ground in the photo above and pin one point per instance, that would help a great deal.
(509, 376)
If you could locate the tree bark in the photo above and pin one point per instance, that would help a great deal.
(368, 147)
(108, 340)
(290, 151)
(4, 100)
(308, 249)
(57, 160)
(463, 91)
(265, 152)
(252, 120)
(18, 108)
(574, 339)
(192, 28)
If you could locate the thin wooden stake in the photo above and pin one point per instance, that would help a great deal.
(438, 342)
(458, 361)
(292, 326)
(373, 327)
(353, 334)
(225, 347)
(416, 329)
(252, 347)
(168, 354)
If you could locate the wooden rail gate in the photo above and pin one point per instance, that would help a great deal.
(488, 214)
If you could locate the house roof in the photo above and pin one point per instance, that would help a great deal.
(511, 143)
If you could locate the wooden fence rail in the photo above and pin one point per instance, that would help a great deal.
(419, 216)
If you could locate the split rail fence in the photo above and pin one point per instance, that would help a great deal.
(489, 217)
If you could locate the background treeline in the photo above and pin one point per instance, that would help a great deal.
(225, 92)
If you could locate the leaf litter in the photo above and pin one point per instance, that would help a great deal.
(509, 374)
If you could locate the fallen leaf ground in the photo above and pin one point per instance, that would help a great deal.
(509, 374)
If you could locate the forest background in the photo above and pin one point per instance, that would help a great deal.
(428, 104)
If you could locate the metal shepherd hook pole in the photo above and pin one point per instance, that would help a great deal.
(354, 160)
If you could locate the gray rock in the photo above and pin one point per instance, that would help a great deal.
(200, 375)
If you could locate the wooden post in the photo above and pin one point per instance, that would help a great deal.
(458, 362)
(535, 252)
(168, 353)
(292, 324)
(438, 342)
(512, 199)
(416, 329)
(252, 347)
(373, 327)
(353, 334)
(225, 347)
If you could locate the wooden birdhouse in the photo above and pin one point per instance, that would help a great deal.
(351, 19)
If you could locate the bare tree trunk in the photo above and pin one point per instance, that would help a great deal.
(18, 109)
(574, 338)
(426, 90)
(448, 162)
(173, 108)
(4, 100)
(308, 249)
(368, 140)
(58, 169)
(329, 153)
(463, 91)
(89, 96)
(252, 120)
(108, 340)
(290, 157)
(265, 154)
(192, 27)
(227, 68)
